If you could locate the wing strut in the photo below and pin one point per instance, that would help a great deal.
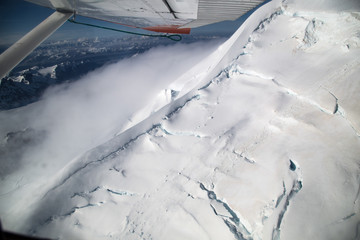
(23, 47)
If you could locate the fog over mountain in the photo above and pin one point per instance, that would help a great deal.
(67, 61)
(255, 137)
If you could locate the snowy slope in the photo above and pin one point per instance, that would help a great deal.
(260, 140)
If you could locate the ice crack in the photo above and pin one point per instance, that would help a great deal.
(296, 187)
(309, 100)
(69, 213)
(357, 236)
(268, 20)
(121, 193)
(228, 215)
(176, 110)
(167, 132)
(280, 198)
(241, 155)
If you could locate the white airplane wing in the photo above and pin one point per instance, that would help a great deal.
(169, 16)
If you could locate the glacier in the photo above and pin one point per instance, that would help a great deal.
(258, 140)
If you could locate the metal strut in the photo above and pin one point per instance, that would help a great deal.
(23, 47)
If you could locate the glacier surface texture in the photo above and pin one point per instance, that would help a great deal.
(258, 139)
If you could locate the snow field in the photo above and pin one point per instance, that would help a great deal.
(262, 143)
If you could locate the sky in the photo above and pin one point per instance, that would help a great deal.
(17, 17)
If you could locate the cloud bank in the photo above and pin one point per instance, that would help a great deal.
(72, 118)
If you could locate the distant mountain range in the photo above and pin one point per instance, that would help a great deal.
(65, 61)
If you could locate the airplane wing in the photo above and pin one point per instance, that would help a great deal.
(170, 16)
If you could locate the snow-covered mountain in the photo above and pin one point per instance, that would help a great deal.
(258, 138)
